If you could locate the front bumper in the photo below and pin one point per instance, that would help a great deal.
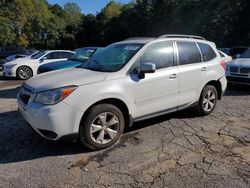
(51, 121)
(8, 72)
(238, 80)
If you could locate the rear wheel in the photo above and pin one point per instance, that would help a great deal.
(24, 73)
(102, 127)
(208, 100)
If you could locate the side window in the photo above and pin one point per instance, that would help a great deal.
(188, 53)
(161, 54)
(63, 55)
(53, 55)
(207, 52)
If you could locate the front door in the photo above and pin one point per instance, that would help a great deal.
(158, 91)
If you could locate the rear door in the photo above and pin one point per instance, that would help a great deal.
(191, 70)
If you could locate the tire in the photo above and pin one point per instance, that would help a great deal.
(24, 73)
(95, 133)
(208, 100)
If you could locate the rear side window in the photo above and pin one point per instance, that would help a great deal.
(53, 55)
(207, 52)
(63, 55)
(188, 53)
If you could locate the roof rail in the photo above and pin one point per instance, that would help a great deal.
(182, 36)
(139, 38)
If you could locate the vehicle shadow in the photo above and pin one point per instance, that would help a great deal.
(20, 143)
(9, 93)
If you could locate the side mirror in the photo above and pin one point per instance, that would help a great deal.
(146, 68)
(238, 56)
(44, 58)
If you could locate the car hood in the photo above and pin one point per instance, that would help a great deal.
(21, 60)
(62, 78)
(60, 65)
(240, 62)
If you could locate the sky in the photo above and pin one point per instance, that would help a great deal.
(87, 6)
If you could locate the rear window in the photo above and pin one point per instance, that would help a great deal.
(188, 53)
(207, 52)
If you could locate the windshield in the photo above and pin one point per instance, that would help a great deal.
(37, 56)
(245, 54)
(82, 54)
(113, 57)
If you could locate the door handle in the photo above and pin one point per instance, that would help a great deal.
(203, 68)
(173, 76)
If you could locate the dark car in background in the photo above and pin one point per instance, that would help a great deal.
(80, 57)
(8, 51)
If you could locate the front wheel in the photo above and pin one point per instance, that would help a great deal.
(208, 100)
(102, 127)
(24, 73)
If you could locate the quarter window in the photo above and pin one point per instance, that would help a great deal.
(188, 53)
(53, 55)
(207, 52)
(161, 54)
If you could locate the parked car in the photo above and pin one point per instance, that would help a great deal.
(238, 70)
(225, 57)
(81, 56)
(26, 68)
(128, 81)
(9, 51)
(29, 54)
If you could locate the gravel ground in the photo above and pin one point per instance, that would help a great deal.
(175, 150)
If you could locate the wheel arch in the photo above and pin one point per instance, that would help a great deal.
(217, 85)
(32, 71)
(116, 102)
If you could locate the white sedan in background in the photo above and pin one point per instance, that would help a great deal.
(25, 68)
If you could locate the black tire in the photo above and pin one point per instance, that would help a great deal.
(202, 107)
(93, 118)
(24, 73)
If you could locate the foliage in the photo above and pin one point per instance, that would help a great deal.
(35, 23)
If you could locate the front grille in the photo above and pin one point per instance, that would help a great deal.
(25, 94)
(245, 70)
(234, 69)
(239, 75)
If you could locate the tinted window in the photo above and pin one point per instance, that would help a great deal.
(245, 54)
(207, 52)
(63, 55)
(188, 53)
(53, 55)
(161, 54)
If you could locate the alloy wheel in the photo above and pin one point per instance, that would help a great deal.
(104, 128)
(24, 73)
(209, 100)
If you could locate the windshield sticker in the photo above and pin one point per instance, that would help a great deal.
(131, 48)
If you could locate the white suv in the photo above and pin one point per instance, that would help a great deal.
(128, 81)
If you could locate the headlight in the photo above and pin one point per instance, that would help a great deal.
(10, 66)
(54, 96)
